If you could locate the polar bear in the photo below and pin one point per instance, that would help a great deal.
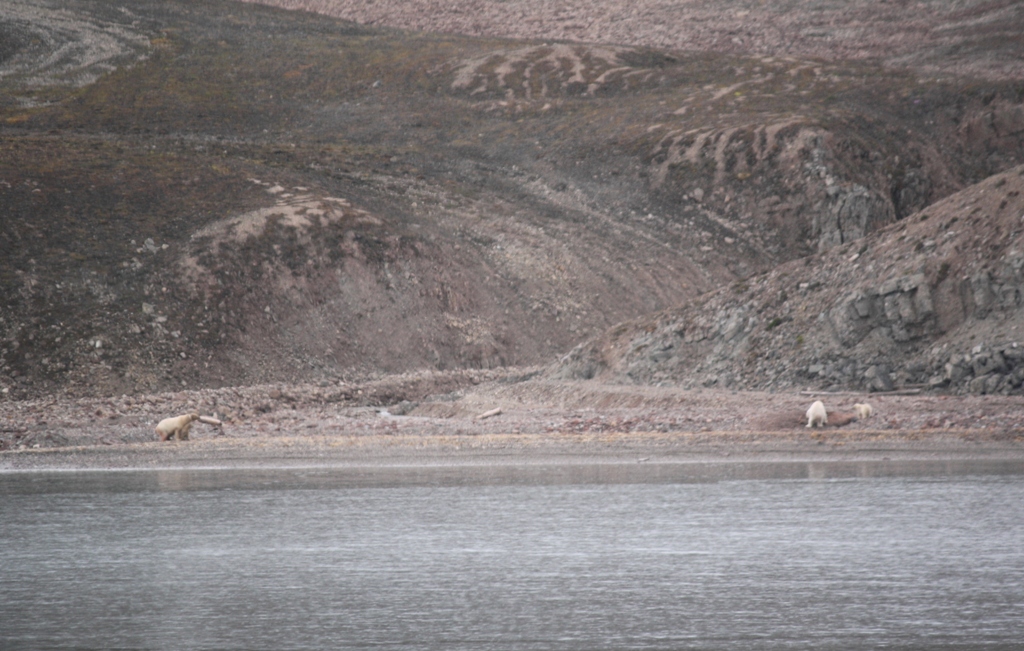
(863, 410)
(177, 427)
(816, 414)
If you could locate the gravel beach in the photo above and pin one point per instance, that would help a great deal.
(498, 419)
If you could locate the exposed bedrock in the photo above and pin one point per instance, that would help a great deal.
(934, 302)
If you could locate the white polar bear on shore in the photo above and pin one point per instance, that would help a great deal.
(177, 427)
(816, 414)
(863, 410)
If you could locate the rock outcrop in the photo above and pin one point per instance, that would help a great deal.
(947, 313)
(850, 214)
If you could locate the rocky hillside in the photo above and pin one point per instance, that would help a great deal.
(199, 195)
(966, 37)
(933, 301)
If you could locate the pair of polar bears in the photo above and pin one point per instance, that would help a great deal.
(818, 417)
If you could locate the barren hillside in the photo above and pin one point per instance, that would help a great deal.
(218, 194)
(968, 38)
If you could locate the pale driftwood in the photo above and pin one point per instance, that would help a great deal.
(488, 414)
(210, 420)
(897, 392)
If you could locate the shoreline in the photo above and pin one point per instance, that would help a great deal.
(516, 431)
(282, 462)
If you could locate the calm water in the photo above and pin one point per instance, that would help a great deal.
(172, 561)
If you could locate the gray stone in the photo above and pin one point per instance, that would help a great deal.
(1013, 353)
(1015, 264)
(912, 193)
(988, 362)
(1009, 296)
(890, 286)
(908, 313)
(899, 333)
(733, 325)
(402, 408)
(850, 368)
(981, 294)
(851, 214)
(955, 372)
(863, 304)
(892, 307)
(913, 281)
(877, 378)
(1017, 377)
(978, 385)
(850, 327)
(923, 301)
(662, 355)
(994, 383)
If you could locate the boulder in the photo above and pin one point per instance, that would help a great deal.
(877, 378)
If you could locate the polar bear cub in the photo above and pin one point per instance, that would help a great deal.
(177, 427)
(816, 414)
(863, 410)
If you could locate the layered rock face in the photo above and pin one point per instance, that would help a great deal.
(934, 301)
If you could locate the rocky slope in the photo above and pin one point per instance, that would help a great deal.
(933, 301)
(200, 195)
(969, 37)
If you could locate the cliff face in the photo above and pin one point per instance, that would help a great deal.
(933, 301)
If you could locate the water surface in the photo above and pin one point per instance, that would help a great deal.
(121, 560)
